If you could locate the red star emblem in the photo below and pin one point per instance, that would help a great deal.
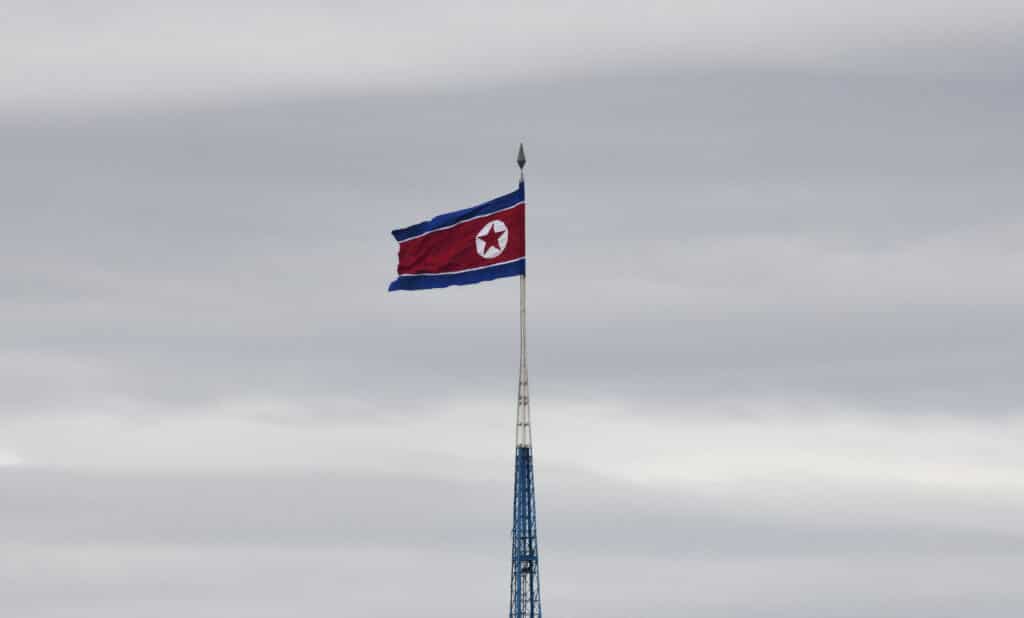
(491, 238)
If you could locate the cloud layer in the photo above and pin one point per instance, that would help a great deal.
(774, 310)
(118, 53)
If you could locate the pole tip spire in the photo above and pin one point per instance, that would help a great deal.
(521, 159)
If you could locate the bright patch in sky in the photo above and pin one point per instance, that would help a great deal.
(9, 458)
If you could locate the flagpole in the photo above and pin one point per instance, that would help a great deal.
(523, 433)
(524, 600)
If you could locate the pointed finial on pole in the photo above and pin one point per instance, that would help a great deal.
(521, 160)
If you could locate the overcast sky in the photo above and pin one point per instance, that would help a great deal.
(775, 255)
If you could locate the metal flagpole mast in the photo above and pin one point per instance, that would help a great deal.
(523, 437)
(525, 585)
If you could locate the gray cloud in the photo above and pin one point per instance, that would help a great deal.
(238, 50)
(779, 234)
(169, 542)
(583, 515)
(772, 219)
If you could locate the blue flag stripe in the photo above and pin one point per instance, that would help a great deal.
(451, 218)
(425, 282)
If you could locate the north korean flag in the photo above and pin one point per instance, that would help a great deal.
(475, 244)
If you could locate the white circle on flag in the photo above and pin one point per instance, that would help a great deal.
(492, 239)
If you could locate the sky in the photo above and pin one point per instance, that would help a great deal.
(775, 324)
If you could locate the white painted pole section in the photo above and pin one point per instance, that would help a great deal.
(523, 435)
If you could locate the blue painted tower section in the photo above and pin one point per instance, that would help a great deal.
(525, 593)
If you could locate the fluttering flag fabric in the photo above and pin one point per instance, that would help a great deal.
(485, 242)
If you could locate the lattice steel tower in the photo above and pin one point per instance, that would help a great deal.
(525, 585)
